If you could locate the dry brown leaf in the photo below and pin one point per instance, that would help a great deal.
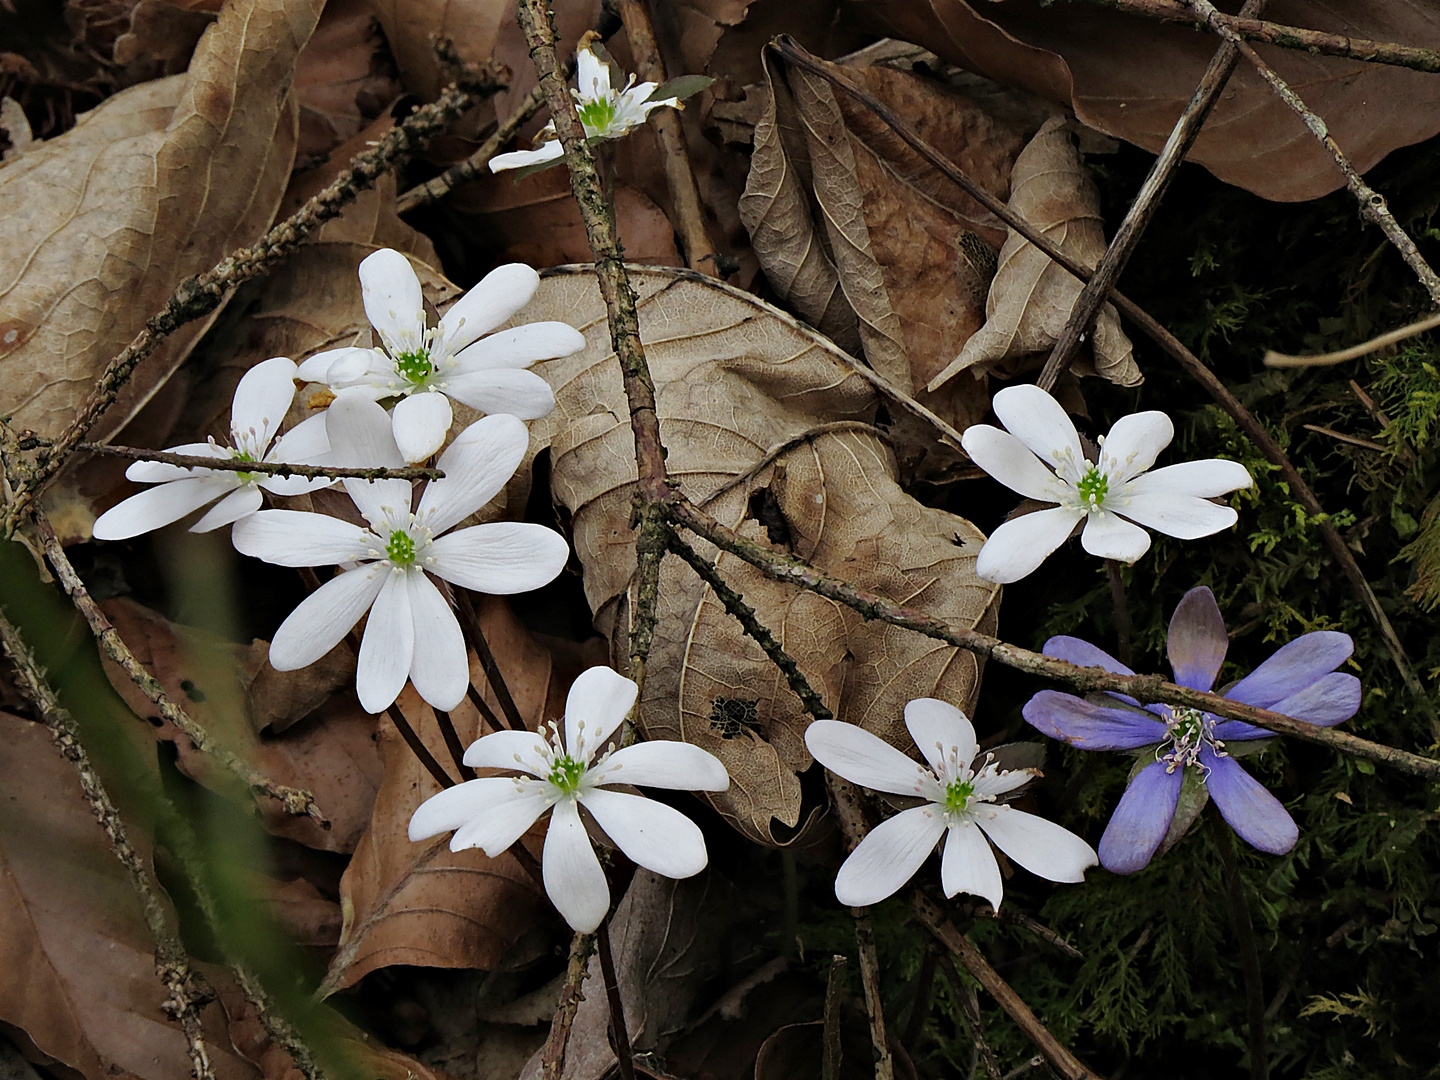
(795, 1052)
(761, 419)
(343, 78)
(331, 753)
(668, 941)
(1031, 298)
(422, 904)
(863, 238)
(157, 183)
(162, 36)
(309, 919)
(77, 963)
(1131, 77)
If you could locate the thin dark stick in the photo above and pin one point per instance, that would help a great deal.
(1372, 203)
(970, 1006)
(834, 989)
(1249, 953)
(870, 981)
(1182, 137)
(920, 1007)
(1122, 611)
(620, 1037)
(268, 468)
(1286, 37)
(475, 637)
(417, 747)
(453, 744)
(478, 700)
(1167, 341)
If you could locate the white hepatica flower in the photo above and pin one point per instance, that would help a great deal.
(261, 401)
(494, 812)
(1039, 456)
(959, 805)
(426, 366)
(605, 113)
(411, 633)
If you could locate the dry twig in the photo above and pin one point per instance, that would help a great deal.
(264, 468)
(1275, 359)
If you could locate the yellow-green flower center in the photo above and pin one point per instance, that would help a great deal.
(1093, 487)
(414, 366)
(246, 477)
(957, 795)
(400, 549)
(596, 115)
(565, 774)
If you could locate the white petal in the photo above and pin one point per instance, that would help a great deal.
(1021, 544)
(664, 764)
(862, 758)
(477, 464)
(262, 398)
(369, 370)
(651, 834)
(1040, 846)
(1039, 421)
(304, 444)
(1180, 516)
(161, 505)
(506, 390)
(360, 436)
(1203, 479)
(598, 702)
(420, 423)
(1002, 783)
(519, 159)
(1010, 461)
(388, 647)
(888, 856)
(507, 820)
(300, 538)
(1134, 442)
(574, 880)
(155, 472)
(324, 618)
(520, 346)
(458, 806)
(592, 77)
(968, 865)
(500, 293)
(394, 303)
(500, 558)
(238, 504)
(1107, 536)
(440, 668)
(937, 726)
(523, 750)
(315, 368)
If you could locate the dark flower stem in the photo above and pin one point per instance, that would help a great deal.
(619, 1036)
(1122, 612)
(453, 744)
(470, 623)
(834, 990)
(417, 746)
(1245, 939)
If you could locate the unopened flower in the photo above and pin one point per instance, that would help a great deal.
(261, 401)
(605, 113)
(424, 366)
(960, 805)
(562, 774)
(411, 632)
(1300, 680)
(1039, 456)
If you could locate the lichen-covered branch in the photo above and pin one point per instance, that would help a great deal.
(265, 468)
(188, 989)
(552, 1054)
(198, 296)
(294, 800)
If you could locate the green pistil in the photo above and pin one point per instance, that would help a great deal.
(414, 366)
(596, 115)
(1189, 725)
(245, 477)
(957, 796)
(400, 549)
(1093, 487)
(565, 774)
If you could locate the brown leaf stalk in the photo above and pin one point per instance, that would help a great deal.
(475, 637)
(1147, 688)
(198, 296)
(1127, 237)
(974, 962)
(265, 468)
(188, 989)
(969, 1004)
(619, 1034)
(870, 982)
(294, 800)
(699, 252)
(1167, 341)
(1286, 37)
(598, 212)
(1275, 359)
(1372, 203)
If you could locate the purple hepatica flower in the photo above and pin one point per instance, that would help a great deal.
(1300, 680)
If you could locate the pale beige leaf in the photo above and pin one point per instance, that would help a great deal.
(157, 183)
(77, 963)
(760, 416)
(1031, 298)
